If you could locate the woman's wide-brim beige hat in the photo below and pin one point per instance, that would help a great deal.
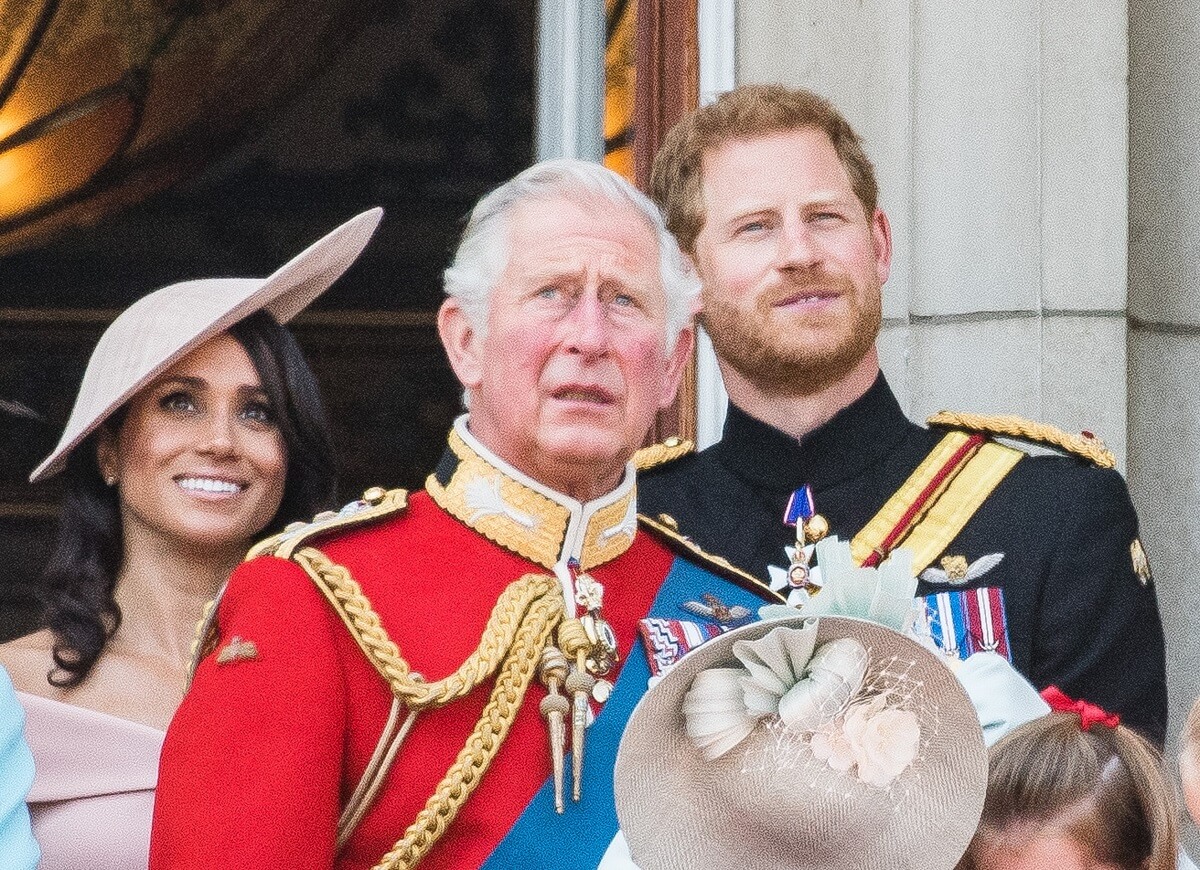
(162, 327)
(771, 803)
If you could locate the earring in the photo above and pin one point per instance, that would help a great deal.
(111, 480)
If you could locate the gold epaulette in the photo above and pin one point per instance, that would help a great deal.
(666, 529)
(376, 503)
(663, 452)
(1085, 444)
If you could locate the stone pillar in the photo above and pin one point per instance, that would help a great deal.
(1164, 308)
(569, 91)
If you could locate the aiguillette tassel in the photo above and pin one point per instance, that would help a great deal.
(579, 684)
(573, 639)
(554, 707)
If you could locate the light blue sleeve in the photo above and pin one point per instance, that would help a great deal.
(1003, 699)
(18, 849)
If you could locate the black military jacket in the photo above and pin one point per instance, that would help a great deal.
(1078, 615)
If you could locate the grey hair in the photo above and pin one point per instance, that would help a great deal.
(483, 253)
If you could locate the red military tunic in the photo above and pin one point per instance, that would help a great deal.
(267, 746)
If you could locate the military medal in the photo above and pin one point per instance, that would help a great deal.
(811, 527)
(957, 571)
(963, 622)
(715, 610)
(602, 654)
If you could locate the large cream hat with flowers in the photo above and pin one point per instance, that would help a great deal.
(153, 333)
(800, 742)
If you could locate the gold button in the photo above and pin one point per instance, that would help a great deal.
(669, 521)
(374, 495)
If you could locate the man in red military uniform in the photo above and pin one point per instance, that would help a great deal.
(409, 682)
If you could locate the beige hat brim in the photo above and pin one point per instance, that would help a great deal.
(678, 810)
(162, 327)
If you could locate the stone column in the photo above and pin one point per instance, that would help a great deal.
(570, 80)
(1164, 308)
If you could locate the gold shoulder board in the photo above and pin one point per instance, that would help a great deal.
(666, 530)
(1085, 444)
(663, 452)
(376, 503)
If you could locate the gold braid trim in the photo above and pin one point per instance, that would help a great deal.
(544, 613)
(521, 624)
(348, 600)
(1091, 448)
(205, 639)
(666, 530)
(654, 455)
(376, 503)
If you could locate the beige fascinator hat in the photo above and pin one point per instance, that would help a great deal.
(161, 328)
(803, 742)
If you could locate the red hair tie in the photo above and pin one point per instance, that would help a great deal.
(1089, 714)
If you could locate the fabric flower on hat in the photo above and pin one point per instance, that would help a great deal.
(884, 740)
(818, 694)
(877, 742)
(883, 594)
(830, 744)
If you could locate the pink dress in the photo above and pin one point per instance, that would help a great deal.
(93, 788)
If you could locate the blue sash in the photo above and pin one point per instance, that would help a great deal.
(578, 838)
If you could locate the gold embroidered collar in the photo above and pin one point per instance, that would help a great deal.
(516, 512)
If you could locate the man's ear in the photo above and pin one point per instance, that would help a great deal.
(676, 364)
(881, 238)
(461, 341)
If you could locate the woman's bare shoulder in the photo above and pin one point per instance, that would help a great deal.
(28, 660)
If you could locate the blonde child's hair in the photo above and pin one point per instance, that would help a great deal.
(1105, 788)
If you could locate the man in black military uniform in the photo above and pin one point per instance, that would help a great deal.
(1035, 557)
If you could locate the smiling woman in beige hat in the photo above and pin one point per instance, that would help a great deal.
(198, 425)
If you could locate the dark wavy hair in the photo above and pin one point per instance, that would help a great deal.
(79, 580)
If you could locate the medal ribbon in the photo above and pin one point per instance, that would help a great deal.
(799, 508)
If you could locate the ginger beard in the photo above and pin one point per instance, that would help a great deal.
(786, 352)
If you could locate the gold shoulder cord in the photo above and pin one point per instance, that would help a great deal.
(519, 628)
(1085, 445)
(376, 503)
